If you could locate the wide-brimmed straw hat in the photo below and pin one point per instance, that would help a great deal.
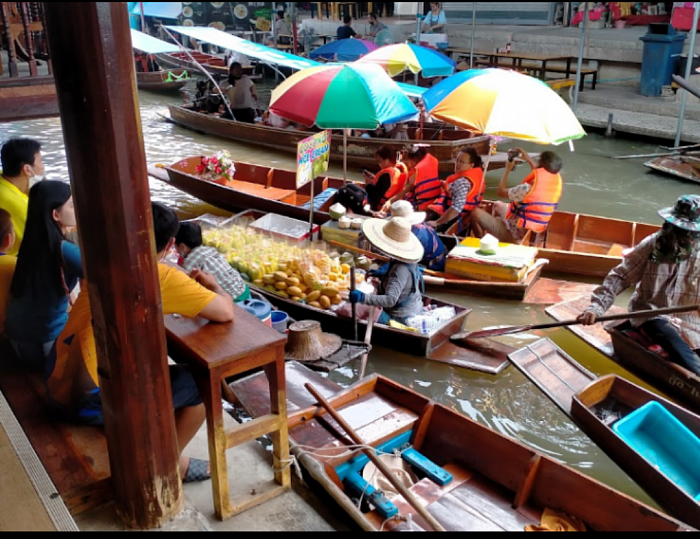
(403, 208)
(306, 342)
(685, 214)
(394, 238)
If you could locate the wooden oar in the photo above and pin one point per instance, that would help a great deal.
(407, 495)
(517, 329)
(368, 340)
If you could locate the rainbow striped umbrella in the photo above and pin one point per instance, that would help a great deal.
(342, 96)
(343, 50)
(396, 59)
(504, 103)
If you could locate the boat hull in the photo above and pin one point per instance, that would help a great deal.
(496, 483)
(612, 394)
(156, 81)
(360, 152)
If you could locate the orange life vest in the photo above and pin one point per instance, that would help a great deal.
(427, 184)
(535, 212)
(474, 197)
(398, 174)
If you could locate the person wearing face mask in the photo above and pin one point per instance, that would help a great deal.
(48, 269)
(665, 271)
(22, 167)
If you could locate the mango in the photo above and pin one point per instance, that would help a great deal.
(281, 285)
(280, 276)
(313, 296)
(325, 301)
(294, 291)
(269, 279)
(330, 291)
(293, 281)
(314, 304)
(336, 300)
(259, 282)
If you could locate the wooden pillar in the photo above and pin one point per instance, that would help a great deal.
(45, 37)
(95, 81)
(24, 15)
(7, 36)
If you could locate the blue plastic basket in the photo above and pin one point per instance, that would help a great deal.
(665, 442)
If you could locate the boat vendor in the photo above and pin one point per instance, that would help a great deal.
(423, 186)
(665, 270)
(400, 292)
(461, 193)
(435, 254)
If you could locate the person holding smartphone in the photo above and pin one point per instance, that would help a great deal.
(388, 182)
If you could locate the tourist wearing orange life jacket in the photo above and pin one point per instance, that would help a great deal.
(386, 183)
(423, 185)
(462, 193)
(532, 203)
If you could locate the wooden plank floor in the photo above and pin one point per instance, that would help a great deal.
(28, 500)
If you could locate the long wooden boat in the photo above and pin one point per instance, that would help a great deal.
(584, 245)
(627, 347)
(160, 81)
(174, 60)
(594, 404)
(468, 476)
(360, 151)
(686, 167)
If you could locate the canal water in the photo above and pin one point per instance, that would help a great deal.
(593, 183)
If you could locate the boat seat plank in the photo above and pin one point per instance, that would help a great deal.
(272, 193)
(616, 249)
(492, 358)
(553, 371)
(595, 335)
(321, 199)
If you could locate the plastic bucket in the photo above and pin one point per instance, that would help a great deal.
(260, 309)
(280, 319)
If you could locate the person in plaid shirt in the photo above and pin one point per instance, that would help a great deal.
(665, 270)
(188, 243)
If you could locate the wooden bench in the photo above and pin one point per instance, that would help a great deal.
(533, 67)
(74, 456)
(560, 84)
(216, 352)
(585, 72)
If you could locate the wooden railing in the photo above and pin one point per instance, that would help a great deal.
(23, 36)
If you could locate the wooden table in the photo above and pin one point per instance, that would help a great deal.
(498, 59)
(215, 352)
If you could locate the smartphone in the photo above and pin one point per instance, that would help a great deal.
(362, 170)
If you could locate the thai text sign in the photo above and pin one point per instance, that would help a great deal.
(313, 155)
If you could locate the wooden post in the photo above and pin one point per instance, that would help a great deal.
(96, 87)
(29, 41)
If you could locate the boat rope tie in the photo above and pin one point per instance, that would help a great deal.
(542, 361)
(408, 519)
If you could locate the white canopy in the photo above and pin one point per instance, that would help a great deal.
(151, 45)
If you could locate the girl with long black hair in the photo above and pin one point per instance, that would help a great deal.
(48, 268)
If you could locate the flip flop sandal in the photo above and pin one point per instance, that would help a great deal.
(197, 471)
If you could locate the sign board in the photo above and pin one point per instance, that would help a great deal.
(228, 16)
(313, 155)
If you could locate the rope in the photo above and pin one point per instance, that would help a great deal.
(172, 77)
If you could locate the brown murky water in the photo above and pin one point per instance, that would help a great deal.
(509, 402)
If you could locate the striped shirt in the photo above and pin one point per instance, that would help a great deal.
(658, 286)
(459, 190)
(211, 261)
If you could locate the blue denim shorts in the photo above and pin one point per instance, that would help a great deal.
(182, 385)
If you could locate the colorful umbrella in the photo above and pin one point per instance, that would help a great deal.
(343, 50)
(396, 59)
(342, 96)
(504, 103)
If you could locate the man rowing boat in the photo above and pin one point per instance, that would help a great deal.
(665, 269)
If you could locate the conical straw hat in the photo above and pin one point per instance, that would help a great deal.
(394, 238)
(306, 342)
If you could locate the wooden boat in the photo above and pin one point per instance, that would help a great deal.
(624, 345)
(686, 167)
(360, 150)
(594, 404)
(583, 245)
(174, 60)
(270, 190)
(468, 476)
(161, 81)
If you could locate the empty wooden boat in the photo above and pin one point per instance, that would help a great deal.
(595, 404)
(360, 151)
(685, 167)
(467, 476)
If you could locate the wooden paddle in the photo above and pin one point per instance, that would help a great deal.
(407, 495)
(368, 339)
(353, 305)
(517, 329)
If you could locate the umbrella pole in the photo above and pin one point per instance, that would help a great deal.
(471, 50)
(311, 213)
(345, 156)
(492, 145)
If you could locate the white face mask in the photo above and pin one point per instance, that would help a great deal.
(35, 179)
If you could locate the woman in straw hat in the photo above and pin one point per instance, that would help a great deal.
(400, 292)
(435, 251)
(665, 270)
